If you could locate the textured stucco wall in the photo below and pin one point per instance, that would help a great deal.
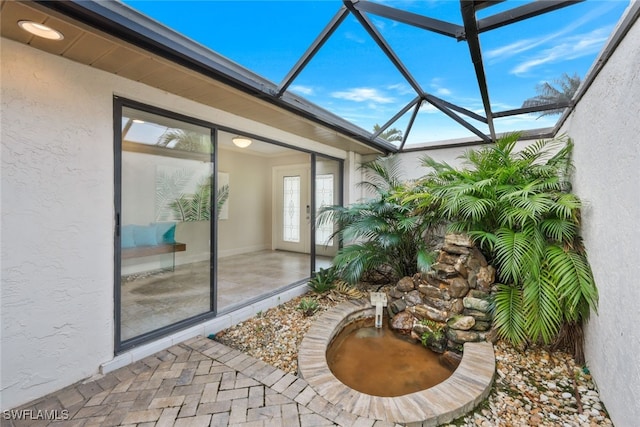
(57, 214)
(606, 129)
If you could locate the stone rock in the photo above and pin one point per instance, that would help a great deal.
(453, 249)
(458, 287)
(478, 315)
(458, 240)
(447, 258)
(450, 359)
(397, 306)
(430, 291)
(472, 279)
(457, 307)
(405, 284)
(424, 311)
(432, 280)
(463, 323)
(476, 293)
(460, 266)
(402, 322)
(485, 278)
(437, 303)
(481, 326)
(476, 304)
(413, 298)
(478, 257)
(462, 337)
(444, 271)
(445, 295)
(395, 294)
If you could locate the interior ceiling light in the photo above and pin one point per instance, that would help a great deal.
(241, 141)
(40, 30)
(138, 121)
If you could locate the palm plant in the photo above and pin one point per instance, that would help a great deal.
(560, 90)
(186, 140)
(197, 206)
(391, 135)
(518, 207)
(383, 233)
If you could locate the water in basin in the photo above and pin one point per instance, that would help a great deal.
(381, 362)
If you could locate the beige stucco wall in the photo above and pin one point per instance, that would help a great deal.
(58, 218)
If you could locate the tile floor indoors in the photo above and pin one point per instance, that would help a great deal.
(167, 297)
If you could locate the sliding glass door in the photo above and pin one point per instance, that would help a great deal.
(164, 214)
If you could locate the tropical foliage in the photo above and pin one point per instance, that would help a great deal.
(559, 90)
(384, 234)
(197, 206)
(323, 280)
(391, 134)
(186, 140)
(519, 208)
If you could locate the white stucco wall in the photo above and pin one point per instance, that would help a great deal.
(57, 214)
(606, 129)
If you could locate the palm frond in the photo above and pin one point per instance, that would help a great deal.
(542, 310)
(575, 283)
(509, 316)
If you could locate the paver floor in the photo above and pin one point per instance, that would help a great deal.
(197, 383)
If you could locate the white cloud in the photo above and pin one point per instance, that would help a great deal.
(437, 85)
(520, 46)
(302, 90)
(401, 89)
(354, 37)
(363, 94)
(566, 49)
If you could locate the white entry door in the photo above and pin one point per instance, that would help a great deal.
(292, 208)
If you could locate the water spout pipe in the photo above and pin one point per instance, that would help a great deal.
(379, 314)
(379, 300)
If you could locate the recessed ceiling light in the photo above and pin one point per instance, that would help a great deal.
(40, 30)
(138, 121)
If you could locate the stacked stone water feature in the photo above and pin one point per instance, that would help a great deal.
(448, 305)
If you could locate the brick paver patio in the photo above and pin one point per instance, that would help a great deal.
(197, 383)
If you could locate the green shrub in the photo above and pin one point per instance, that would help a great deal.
(382, 234)
(519, 208)
(308, 306)
(323, 280)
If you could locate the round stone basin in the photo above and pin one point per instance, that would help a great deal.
(467, 386)
(381, 362)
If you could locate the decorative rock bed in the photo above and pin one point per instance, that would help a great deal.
(469, 384)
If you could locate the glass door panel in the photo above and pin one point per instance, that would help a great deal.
(328, 185)
(293, 218)
(165, 222)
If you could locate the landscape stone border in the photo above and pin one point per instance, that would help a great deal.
(469, 384)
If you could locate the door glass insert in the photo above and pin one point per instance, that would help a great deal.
(291, 214)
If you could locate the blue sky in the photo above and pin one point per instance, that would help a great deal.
(352, 78)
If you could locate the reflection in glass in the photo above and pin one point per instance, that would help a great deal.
(165, 231)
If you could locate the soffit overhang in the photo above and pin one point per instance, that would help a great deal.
(112, 37)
